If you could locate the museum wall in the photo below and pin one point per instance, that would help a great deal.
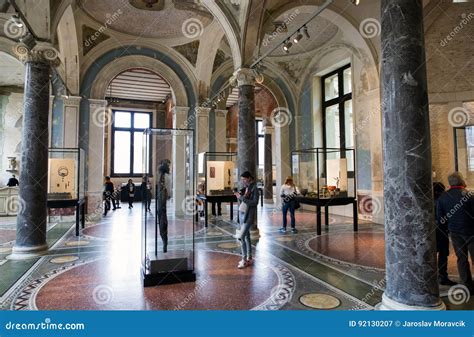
(449, 51)
(11, 112)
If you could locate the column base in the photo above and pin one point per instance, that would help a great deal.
(389, 304)
(25, 253)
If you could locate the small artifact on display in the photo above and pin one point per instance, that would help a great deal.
(62, 177)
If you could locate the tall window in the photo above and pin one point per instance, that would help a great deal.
(127, 142)
(260, 148)
(338, 130)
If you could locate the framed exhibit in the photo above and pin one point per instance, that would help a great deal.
(167, 248)
(66, 169)
(324, 172)
(217, 173)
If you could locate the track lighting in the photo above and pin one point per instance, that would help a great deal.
(287, 46)
(17, 21)
(298, 37)
(305, 31)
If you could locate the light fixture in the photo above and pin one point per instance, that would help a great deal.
(355, 2)
(298, 37)
(287, 46)
(29, 41)
(305, 31)
(17, 21)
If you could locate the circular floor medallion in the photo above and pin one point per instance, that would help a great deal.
(228, 245)
(64, 259)
(77, 243)
(320, 301)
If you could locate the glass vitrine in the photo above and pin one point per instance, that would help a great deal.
(322, 173)
(66, 168)
(217, 173)
(168, 207)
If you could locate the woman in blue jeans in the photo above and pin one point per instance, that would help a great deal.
(248, 198)
(288, 193)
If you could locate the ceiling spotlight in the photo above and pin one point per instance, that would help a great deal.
(305, 31)
(355, 2)
(298, 37)
(29, 41)
(17, 21)
(287, 46)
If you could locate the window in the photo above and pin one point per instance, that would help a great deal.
(260, 148)
(338, 130)
(464, 149)
(127, 142)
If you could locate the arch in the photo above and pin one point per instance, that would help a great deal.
(152, 59)
(111, 70)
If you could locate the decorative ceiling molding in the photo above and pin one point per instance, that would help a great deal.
(91, 38)
(189, 51)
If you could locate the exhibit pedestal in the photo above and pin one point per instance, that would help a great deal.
(168, 268)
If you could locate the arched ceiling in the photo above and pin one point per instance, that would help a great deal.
(165, 19)
(320, 31)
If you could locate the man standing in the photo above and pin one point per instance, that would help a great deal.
(456, 208)
(12, 182)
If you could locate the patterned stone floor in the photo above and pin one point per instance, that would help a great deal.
(100, 269)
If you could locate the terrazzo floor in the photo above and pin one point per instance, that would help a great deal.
(101, 269)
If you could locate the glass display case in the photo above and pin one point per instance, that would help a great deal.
(66, 169)
(217, 173)
(323, 173)
(168, 223)
(464, 153)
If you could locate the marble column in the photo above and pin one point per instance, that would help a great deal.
(32, 216)
(411, 271)
(221, 130)
(246, 133)
(268, 164)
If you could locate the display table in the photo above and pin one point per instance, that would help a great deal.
(326, 202)
(80, 206)
(215, 198)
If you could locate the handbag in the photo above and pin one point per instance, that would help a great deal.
(297, 203)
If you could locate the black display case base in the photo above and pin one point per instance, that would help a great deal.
(151, 280)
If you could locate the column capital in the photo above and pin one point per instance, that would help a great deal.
(71, 100)
(268, 129)
(98, 103)
(41, 53)
(204, 112)
(180, 110)
(243, 76)
(221, 113)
